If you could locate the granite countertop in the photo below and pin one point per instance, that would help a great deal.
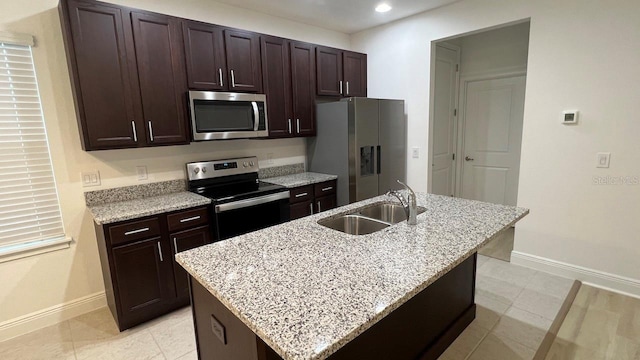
(131, 209)
(307, 290)
(301, 179)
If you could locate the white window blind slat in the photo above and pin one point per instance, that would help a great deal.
(29, 206)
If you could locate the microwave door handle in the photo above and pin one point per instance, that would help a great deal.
(256, 116)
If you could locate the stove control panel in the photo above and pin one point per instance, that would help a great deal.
(218, 168)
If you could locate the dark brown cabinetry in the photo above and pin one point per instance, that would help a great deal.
(340, 73)
(288, 77)
(127, 73)
(142, 279)
(312, 199)
(222, 59)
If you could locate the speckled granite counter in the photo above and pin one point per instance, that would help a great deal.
(132, 209)
(301, 179)
(307, 290)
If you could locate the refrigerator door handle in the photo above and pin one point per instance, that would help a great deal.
(379, 159)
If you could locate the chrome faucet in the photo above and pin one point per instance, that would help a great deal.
(411, 206)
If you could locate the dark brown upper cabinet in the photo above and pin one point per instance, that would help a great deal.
(276, 79)
(303, 85)
(127, 73)
(205, 56)
(243, 60)
(340, 73)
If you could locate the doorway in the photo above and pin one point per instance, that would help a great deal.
(477, 106)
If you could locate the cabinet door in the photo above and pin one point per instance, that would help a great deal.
(276, 75)
(143, 278)
(329, 71)
(163, 83)
(325, 203)
(355, 74)
(301, 209)
(102, 64)
(204, 51)
(243, 60)
(181, 241)
(302, 81)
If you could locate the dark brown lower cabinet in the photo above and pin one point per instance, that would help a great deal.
(301, 209)
(312, 199)
(187, 240)
(326, 203)
(421, 328)
(142, 279)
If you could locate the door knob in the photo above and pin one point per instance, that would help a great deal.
(466, 158)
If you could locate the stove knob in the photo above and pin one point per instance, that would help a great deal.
(204, 170)
(251, 163)
(196, 170)
(245, 164)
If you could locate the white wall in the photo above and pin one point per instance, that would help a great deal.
(32, 284)
(583, 55)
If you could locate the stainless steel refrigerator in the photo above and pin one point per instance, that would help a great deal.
(363, 141)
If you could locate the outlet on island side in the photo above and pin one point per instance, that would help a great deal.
(141, 171)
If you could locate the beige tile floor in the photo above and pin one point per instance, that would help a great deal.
(509, 325)
(500, 247)
(599, 325)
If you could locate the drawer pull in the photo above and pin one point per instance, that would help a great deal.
(190, 219)
(327, 188)
(311, 207)
(175, 245)
(160, 251)
(301, 195)
(136, 231)
(319, 208)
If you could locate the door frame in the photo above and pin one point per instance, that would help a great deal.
(465, 80)
(432, 87)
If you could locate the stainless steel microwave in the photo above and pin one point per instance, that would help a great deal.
(223, 115)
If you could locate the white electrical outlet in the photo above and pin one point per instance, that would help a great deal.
(603, 160)
(142, 172)
(269, 160)
(90, 178)
(416, 153)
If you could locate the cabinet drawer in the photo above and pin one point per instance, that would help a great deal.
(301, 209)
(325, 188)
(302, 193)
(134, 230)
(187, 219)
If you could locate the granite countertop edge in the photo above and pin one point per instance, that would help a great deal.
(359, 329)
(133, 209)
(300, 179)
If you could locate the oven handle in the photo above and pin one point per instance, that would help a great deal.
(256, 116)
(252, 202)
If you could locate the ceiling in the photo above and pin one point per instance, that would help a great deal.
(347, 16)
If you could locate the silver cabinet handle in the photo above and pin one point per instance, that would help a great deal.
(220, 76)
(311, 207)
(347, 88)
(150, 131)
(289, 126)
(160, 251)
(135, 133)
(233, 79)
(136, 231)
(298, 125)
(468, 158)
(256, 115)
(175, 245)
(327, 188)
(301, 195)
(341, 87)
(319, 209)
(190, 219)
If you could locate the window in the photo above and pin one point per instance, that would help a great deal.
(29, 208)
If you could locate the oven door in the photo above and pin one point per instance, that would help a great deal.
(243, 216)
(218, 115)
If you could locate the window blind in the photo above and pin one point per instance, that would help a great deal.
(29, 207)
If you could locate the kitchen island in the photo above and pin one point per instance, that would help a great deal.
(300, 290)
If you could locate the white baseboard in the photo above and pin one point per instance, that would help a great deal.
(600, 279)
(52, 315)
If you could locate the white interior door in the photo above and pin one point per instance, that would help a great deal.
(493, 112)
(445, 93)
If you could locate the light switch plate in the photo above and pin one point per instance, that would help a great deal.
(416, 153)
(142, 172)
(603, 160)
(90, 178)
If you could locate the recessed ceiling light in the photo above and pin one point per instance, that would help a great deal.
(383, 8)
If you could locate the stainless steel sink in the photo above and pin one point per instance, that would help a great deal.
(354, 224)
(387, 212)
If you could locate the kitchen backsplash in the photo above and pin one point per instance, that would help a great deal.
(281, 170)
(125, 193)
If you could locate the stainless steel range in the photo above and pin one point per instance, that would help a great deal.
(241, 202)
